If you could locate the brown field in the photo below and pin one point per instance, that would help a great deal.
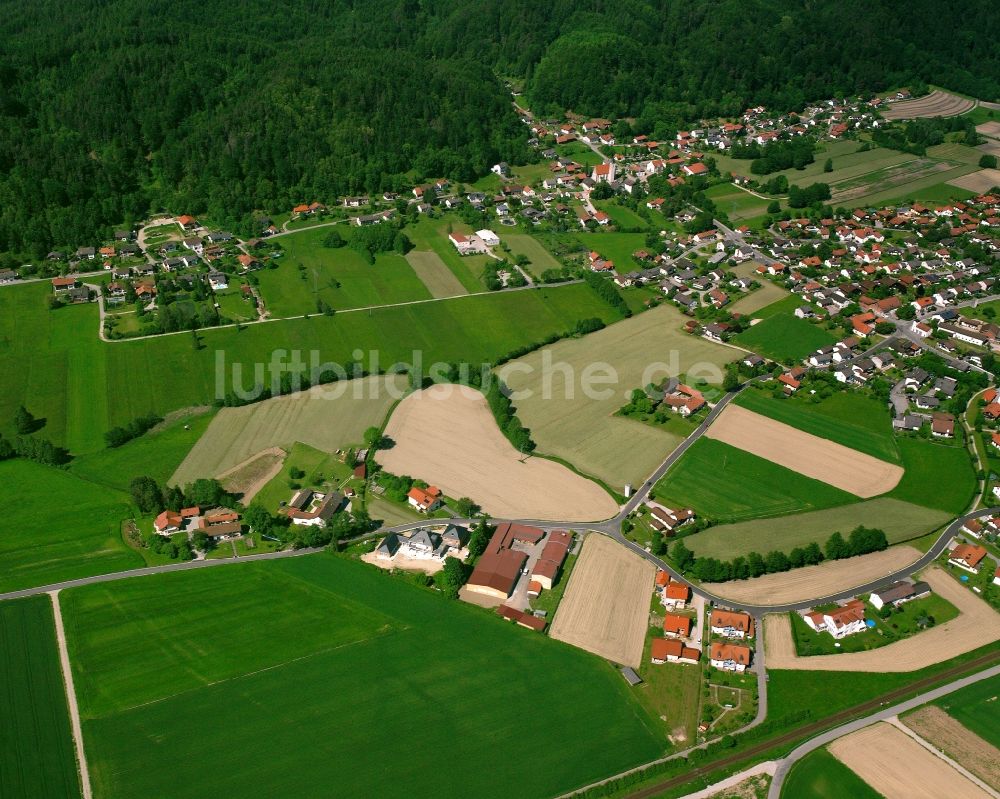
(253, 474)
(447, 436)
(819, 458)
(435, 274)
(991, 129)
(991, 147)
(759, 298)
(811, 581)
(976, 625)
(979, 182)
(935, 104)
(959, 743)
(325, 417)
(606, 606)
(898, 767)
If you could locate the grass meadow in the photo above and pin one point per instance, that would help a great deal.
(357, 664)
(738, 204)
(819, 775)
(431, 235)
(539, 259)
(975, 706)
(82, 386)
(617, 247)
(37, 760)
(935, 475)
(726, 484)
(784, 337)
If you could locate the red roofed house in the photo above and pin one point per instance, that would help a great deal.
(676, 595)
(696, 168)
(790, 383)
(187, 222)
(424, 500)
(546, 569)
(170, 521)
(732, 624)
(666, 651)
(676, 626)
(968, 557)
(603, 173)
(730, 657)
(841, 622)
(61, 284)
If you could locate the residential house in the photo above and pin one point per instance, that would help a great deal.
(730, 657)
(967, 556)
(425, 500)
(732, 624)
(899, 592)
(664, 650)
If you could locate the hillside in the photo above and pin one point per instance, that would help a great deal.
(110, 110)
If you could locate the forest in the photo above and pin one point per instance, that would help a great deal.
(111, 110)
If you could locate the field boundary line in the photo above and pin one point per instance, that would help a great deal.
(895, 722)
(74, 709)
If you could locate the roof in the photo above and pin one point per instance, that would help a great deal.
(733, 652)
(499, 566)
(424, 496)
(681, 625)
(971, 554)
(901, 589)
(738, 621)
(677, 591)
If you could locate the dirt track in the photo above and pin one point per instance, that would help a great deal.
(606, 606)
(447, 436)
(900, 768)
(960, 744)
(802, 452)
(976, 625)
(810, 581)
(935, 104)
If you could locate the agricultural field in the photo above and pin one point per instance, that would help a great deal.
(903, 178)
(726, 484)
(37, 759)
(60, 528)
(957, 741)
(157, 661)
(431, 235)
(782, 336)
(901, 521)
(68, 377)
(328, 418)
(340, 277)
(975, 706)
(737, 203)
(435, 274)
(849, 418)
(617, 247)
(896, 765)
(935, 475)
(819, 775)
(568, 424)
(622, 216)
(979, 182)
(759, 298)
(938, 103)
(605, 609)
(819, 458)
(447, 436)
(539, 259)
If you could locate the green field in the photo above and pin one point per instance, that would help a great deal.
(846, 417)
(783, 336)
(580, 153)
(539, 259)
(621, 216)
(975, 706)
(435, 273)
(318, 465)
(37, 760)
(935, 475)
(357, 664)
(819, 775)
(723, 483)
(82, 386)
(901, 521)
(738, 204)
(431, 235)
(340, 277)
(617, 247)
(60, 527)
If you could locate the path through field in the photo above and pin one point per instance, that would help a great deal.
(74, 708)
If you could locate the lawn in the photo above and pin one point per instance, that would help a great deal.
(901, 521)
(846, 417)
(617, 247)
(169, 662)
(901, 624)
(724, 483)
(539, 259)
(738, 204)
(819, 775)
(60, 527)
(671, 692)
(936, 475)
(621, 216)
(340, 277)
(975, 706)
(233, 305)
(575, 420)
(37, 760)
(580, 153)
(431, 235)
(82, 386)
(784, 337)
(319, 467)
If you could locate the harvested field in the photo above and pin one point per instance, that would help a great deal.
(815, 457)
(900, 768)
(811, 581)
(767, 294)
(605, 609)
(249, 477)
(935, 104)
(568, 424)
(976, 625)
(957, 742)
(325, 417)
(435, 274)
(979, 182)
(447, 436)
(991, 129)
(898, 178)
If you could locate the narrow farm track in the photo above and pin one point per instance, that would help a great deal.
(71, 703)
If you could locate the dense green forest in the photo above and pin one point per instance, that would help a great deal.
(111, 109)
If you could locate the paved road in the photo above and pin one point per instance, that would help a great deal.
(785, 765)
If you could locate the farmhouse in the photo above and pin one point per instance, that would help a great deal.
(221, 523)
(546, 569)
(174, 521)
(732, 624)
(672, 651)
(500, 565)
(312, 508)
(968, 557)
(424, 500)
(730, 657)
(898, 593)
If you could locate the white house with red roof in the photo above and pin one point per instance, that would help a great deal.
(425, 500)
